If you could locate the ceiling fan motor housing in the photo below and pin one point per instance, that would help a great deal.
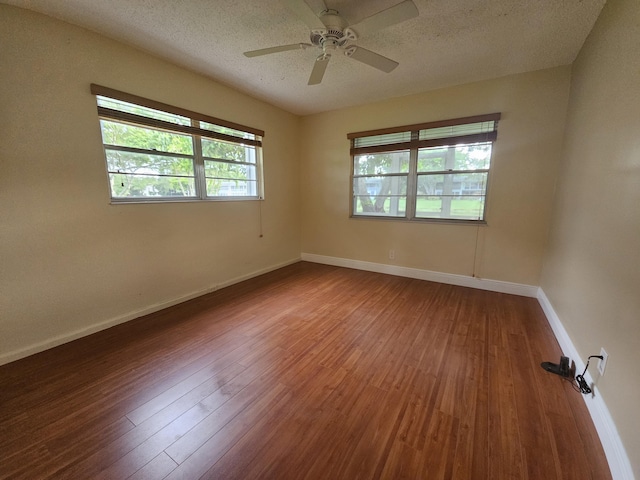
(335, 35)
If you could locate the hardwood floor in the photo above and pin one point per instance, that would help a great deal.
(309, 372)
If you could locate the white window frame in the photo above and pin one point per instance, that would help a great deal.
(408, 141)
(199, 128)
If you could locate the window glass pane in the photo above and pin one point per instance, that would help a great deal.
(454, 196)
(380, 195)
(475, 156)
(469, 184)
(217, 187)
(229, 170)
(386, 139)
(450, 207)
(227, 131)
(381, 163)
(387, 185)
(228, 151)
(145, 186)
(471, 208)
(391, 206)
(430, 184)
(453, 184)
(127, 162)
(428, 206)
(226, 179)
(432, 159)
(124, 135)
(142, 111)
(457, 130)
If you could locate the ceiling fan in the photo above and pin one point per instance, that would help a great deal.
(330, 33)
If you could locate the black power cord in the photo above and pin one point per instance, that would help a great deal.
(562, 369)
(582, 383)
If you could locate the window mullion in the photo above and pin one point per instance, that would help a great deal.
(412, 180)
(447, 187)
(198, 160)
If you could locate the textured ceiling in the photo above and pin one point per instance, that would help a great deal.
(451, 42)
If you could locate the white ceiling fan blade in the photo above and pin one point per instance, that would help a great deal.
(371, 58)
(304, 13)
(318, 69)
(392, 15)
(281, 48)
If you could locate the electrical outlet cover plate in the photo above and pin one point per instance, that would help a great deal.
(602, 364)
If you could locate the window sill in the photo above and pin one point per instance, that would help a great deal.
(115, 201)
(445, 221)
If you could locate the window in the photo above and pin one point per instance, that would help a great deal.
(156, 152)
(435, 171)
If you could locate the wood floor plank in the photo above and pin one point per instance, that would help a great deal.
(159, 467)
(402, 463)
(215, 373)
(25, 463)
(535, 436)
(369, 457)
(92, 403)
(285, 436)
(440, 447)
(181, 445)
(187, 411)
(310, 371)
(471, 451)
(333, 460)
(505, 456)
(200, 460)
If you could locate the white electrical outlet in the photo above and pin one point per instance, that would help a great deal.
(602, 364)
(392, 254)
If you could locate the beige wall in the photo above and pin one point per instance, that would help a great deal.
(525, 160)
(592, 270)
(70, 260)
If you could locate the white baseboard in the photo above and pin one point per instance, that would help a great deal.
(83, 332)
(448, 278)
(614, 450)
